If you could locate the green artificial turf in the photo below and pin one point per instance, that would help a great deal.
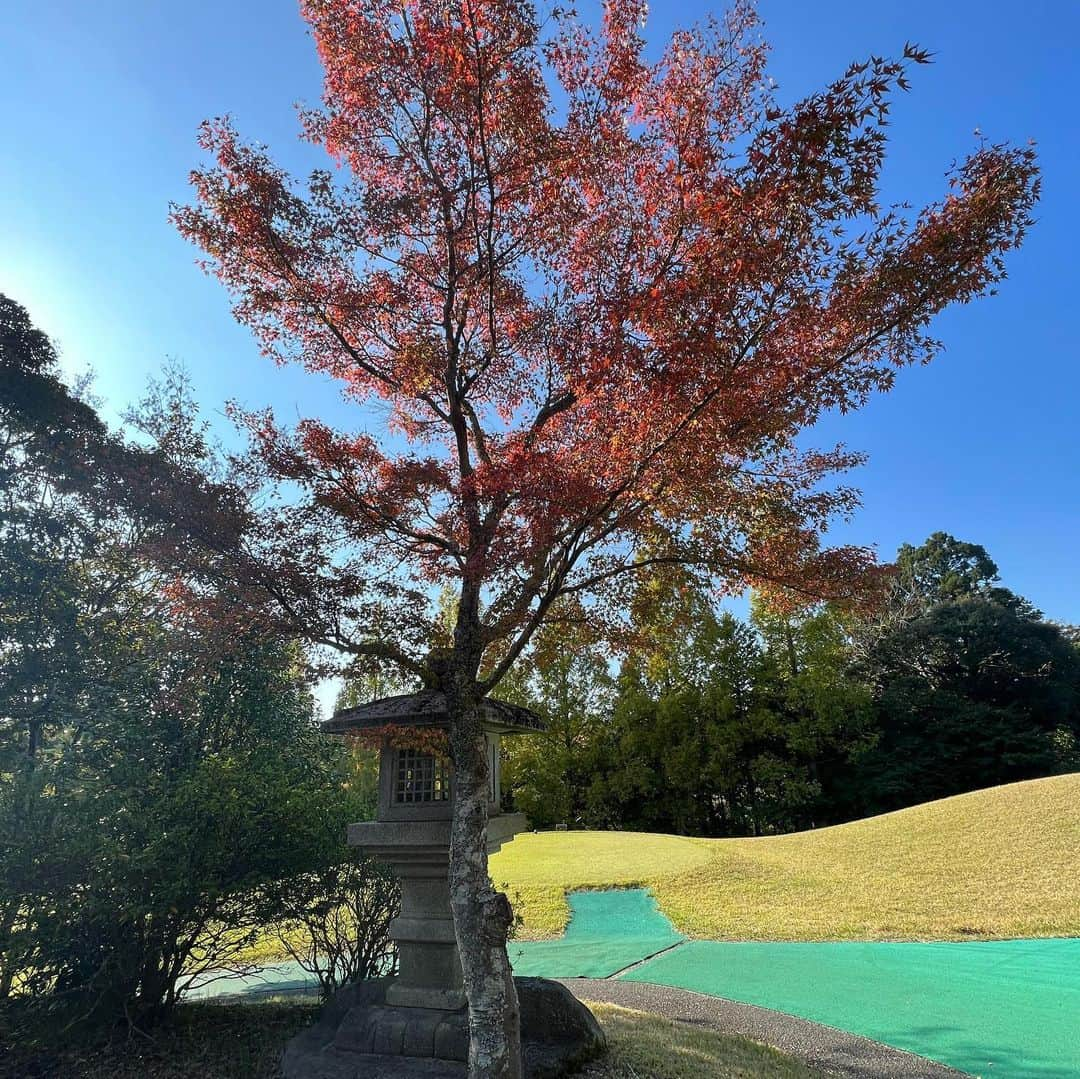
(1008, 1009)
(608, 931)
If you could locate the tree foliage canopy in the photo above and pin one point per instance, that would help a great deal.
(596, 325)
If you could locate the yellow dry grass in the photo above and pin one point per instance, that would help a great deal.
(1003, 862)
(646, 1045)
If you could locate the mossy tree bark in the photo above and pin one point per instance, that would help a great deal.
(482, 916)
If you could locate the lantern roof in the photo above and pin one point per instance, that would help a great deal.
(428, 709)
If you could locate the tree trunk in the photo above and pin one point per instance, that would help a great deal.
(482, 916)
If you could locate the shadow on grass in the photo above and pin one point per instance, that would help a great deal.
(198, 1041)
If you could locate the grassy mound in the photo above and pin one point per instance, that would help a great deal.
(993, 863)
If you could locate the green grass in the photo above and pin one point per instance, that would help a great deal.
(641, 1045)
(990, 864)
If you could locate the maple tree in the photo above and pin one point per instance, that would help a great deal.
(584, 302)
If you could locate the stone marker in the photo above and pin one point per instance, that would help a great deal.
(416, 1023)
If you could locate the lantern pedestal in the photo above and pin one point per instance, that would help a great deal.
(429, 968)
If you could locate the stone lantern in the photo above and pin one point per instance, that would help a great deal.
(416, 1024)
(411, 834)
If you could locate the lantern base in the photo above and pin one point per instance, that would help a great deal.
(361, 1036)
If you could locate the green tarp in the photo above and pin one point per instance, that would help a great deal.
(286, 976)
(608, 931)
(1008, 1009)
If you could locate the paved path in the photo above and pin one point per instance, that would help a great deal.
(832, 1051)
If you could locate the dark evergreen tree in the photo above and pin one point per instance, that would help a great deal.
(974, 691)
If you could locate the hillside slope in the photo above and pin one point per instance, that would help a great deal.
(1003, 862)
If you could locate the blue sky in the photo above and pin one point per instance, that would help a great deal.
(103, 101)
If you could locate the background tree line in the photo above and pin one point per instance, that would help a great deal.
(718, 726)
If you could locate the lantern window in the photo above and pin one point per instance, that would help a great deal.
(421, 777)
